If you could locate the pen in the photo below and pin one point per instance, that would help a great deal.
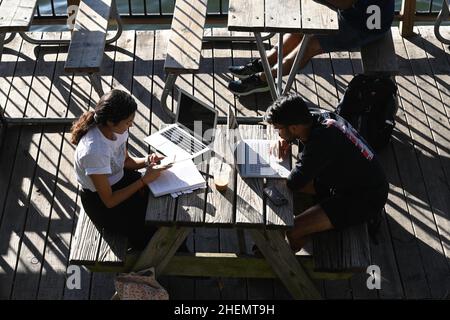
(206, 174)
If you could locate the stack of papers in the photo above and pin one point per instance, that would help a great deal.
(182, 177)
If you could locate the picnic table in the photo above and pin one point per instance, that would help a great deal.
(15, 16)
(265, 223)
(288, 16)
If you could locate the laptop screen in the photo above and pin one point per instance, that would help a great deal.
(195, 116)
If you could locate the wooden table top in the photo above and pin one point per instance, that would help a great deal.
(242, 204)
(291, 16)
(16, 15)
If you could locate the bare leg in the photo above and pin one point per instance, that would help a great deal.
(312, 50)
(311, 221)
(290, 42)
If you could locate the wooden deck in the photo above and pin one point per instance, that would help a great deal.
(38, 193)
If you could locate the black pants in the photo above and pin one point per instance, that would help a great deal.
(127, 218)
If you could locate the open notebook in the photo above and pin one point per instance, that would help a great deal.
(182, 176)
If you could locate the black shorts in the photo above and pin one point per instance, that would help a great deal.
(349, 208)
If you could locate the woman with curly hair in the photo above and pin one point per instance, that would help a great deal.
(113, 193)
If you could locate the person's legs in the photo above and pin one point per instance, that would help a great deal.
(258, 83)
(312, 220)
(290, 42)
(313, 48)
(346, 39)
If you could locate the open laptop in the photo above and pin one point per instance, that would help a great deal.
(192, 131)
(252, 156)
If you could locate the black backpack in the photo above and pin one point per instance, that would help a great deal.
(370, 105)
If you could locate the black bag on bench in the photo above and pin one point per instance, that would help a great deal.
(370, 105)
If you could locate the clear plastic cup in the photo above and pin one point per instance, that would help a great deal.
(221, 174)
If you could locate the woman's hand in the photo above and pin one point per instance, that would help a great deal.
(153, 159)
(151, 174)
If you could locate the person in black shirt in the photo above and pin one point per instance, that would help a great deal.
(336, 165)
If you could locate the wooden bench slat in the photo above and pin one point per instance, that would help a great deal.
(113, 249)
(89, 248)
(85, 242)
(185, 43)
(346, 250)
(16, 15)
(379, 56)
(89, 37)
(355, 242)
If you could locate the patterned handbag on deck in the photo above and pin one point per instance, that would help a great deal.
(140, 285)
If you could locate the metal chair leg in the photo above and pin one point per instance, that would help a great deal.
(443, 16)
(168, 86)
(116, 16)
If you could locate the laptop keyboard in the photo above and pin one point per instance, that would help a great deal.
(183, 140)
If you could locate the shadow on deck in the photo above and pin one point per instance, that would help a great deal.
(38, 193)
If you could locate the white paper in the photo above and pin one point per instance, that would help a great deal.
(180, 177)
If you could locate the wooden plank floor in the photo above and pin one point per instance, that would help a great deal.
(39, 198)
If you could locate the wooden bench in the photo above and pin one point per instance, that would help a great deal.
(88, 41)
(97, 249)
(378, 57)
(342, 251)
(102, 251)
(333, 251)
(185, 43)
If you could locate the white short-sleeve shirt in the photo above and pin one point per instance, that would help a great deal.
(96, 154)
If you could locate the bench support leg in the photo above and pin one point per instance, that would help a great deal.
(2, 131)
(2, 43)
(161, 248)
(96, 83)
(283, 262)
(241, 241)
(2, 117)
(168, 86)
